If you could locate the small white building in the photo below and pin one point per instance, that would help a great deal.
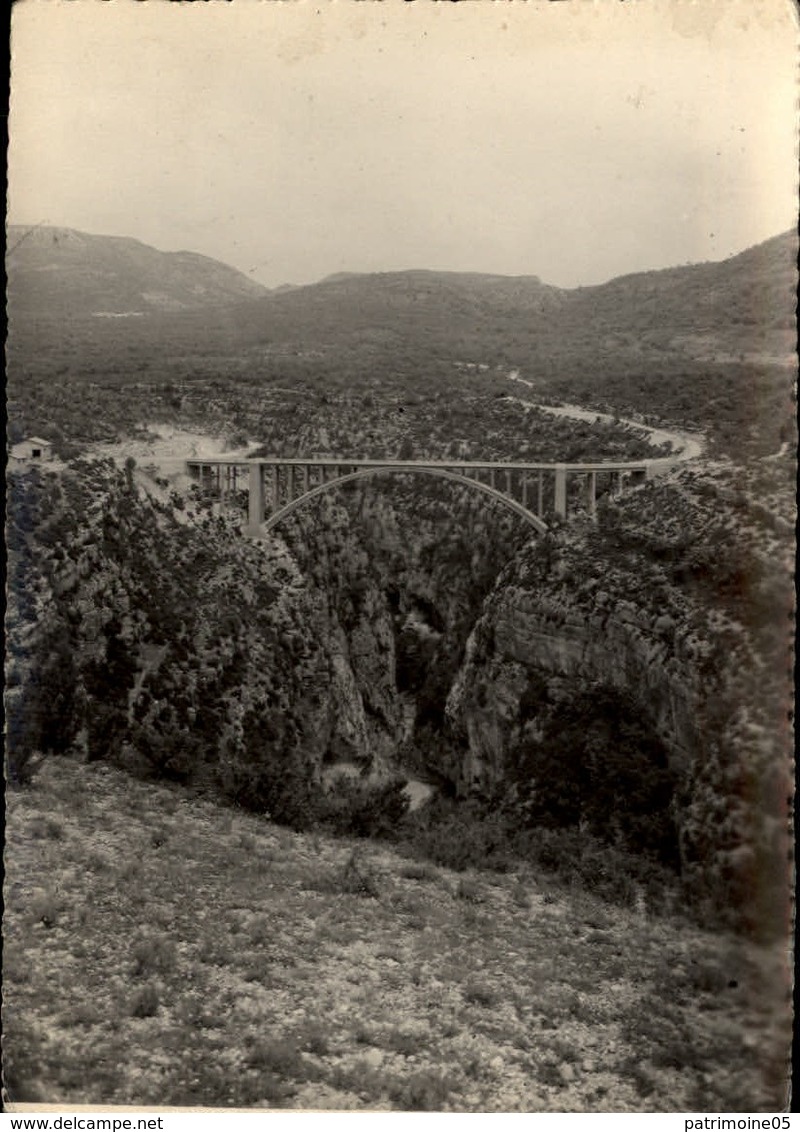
(34, 449)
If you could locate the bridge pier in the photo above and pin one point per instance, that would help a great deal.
(276, 487)
(255, 502)
(591, 493)
(560, 502)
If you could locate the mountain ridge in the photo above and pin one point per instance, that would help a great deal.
(45, 237)
(188, 306)
(86, 274)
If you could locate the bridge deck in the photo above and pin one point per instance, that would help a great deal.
(448, 465)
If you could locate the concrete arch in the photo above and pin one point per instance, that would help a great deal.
(510, 504)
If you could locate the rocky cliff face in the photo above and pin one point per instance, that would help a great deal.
(401, 585)
(171, 641)
(680, 597)
(524, 638)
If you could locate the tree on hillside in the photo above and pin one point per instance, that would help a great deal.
(599, 765)
(108, 685)
(41, 715)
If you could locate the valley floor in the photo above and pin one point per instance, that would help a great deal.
(162, 950)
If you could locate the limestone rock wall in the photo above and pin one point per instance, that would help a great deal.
(523, 636)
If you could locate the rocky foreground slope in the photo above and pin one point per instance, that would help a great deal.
(161, 949)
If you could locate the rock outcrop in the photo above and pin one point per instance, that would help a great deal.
(524, 637)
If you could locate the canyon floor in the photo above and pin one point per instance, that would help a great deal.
(163, 950)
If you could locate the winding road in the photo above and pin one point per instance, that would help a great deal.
(685, 445)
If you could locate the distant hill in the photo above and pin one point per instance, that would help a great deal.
(706, 310)
(68, 274)
(437, 309)
(743, 306)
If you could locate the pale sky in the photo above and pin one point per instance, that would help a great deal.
(575, 141)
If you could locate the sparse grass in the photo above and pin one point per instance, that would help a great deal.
(215, 952)
(82, 1014)
(98, 862)
(47, 828)
(365, 1035)
(416, 910)
(520, 894)
(359, 1078)
(159, 915)
(425, 1091)
(359, 877)
(403, 1042)
(481, 994)
(259, 931)
(153, 954)
(45, 908)
(130, 870)
(146, 1001)
(419, 870)
(548, 1073)
(159, 836)
(280, 1056)
(16, 972)
(192, 1011)
(258, 969)
(470, 890)
(313, 1037)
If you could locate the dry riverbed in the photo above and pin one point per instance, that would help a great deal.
(162, 950)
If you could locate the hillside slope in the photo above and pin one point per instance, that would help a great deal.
(701, 310)
(434, 308)
(160, 949)
(708, 310)
(65, 274)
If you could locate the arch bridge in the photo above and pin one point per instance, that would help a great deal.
(277, 487)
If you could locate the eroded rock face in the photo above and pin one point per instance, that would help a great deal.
(347, 728)
(401, 586)
(677, 599)
(523, 637)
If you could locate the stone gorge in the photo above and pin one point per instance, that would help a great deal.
(413, 628)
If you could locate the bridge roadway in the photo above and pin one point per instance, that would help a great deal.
(529, 490)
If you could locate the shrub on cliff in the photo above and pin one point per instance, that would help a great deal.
(108, 681)
(274, 788)
(462, 835)
(40, 704)
(357, 809)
